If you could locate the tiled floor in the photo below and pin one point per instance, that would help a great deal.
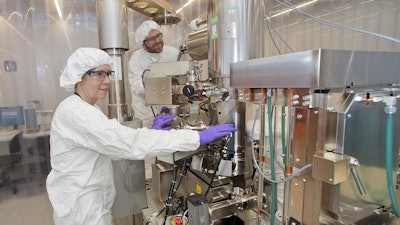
(31, 204)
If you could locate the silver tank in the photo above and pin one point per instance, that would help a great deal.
(129, 174)
(235, 29)
(112, 20)
(235, 33)
(113, 38)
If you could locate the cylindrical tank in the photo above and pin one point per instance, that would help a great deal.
(235, 32)
(112, 21)
(113, 38)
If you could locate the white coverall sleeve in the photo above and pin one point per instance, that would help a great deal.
(94, 131)
(83, 142)
(124, 142)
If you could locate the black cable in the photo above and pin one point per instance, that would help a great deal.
(183, 173)
(269, 25)
(173, 190)
(212, 178)
(272, 38)
(151, 107)
(152, 110)
(168, 202)
(224, 150)
(202, 107)
(159, 213)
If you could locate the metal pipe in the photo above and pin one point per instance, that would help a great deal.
(112, 22)
(359, 184)
(117, 107)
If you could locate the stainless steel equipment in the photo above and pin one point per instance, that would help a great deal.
(129, 174)
(198, 208)
(307, 126)
(113, 38)
(158, 10)
(323, 112)
(197, 44)
(331, 107)
(221, 172)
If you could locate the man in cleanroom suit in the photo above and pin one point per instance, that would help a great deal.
(84, 141)
(152, 50)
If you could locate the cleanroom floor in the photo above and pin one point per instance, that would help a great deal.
(31, 205)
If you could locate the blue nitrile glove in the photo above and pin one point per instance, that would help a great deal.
(162, 123)
(164, 110)
(212, 133)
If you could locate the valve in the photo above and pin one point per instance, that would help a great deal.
(188, 90)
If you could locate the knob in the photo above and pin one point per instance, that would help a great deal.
(188, 90)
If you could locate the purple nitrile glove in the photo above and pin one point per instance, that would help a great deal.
(162, 123)
(164, 110)
(212, 133)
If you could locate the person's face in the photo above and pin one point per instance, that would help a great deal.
(154, 42)
(95, 85)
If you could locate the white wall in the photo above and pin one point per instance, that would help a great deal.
(294, 31)
(32, 34)
(39, 42)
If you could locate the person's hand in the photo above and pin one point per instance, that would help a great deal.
(162, 123)
(212, 133)
(164, 110)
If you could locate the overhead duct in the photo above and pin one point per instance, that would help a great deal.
(158, 10)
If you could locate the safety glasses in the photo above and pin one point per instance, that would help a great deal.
(101, 75)
(152, 40)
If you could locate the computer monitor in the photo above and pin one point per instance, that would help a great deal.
(12, 116)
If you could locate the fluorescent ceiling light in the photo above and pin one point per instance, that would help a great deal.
(58, 8)
(297, 7)
(187, 3)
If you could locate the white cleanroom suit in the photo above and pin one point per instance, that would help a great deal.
(138, 63)
(83, 143)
